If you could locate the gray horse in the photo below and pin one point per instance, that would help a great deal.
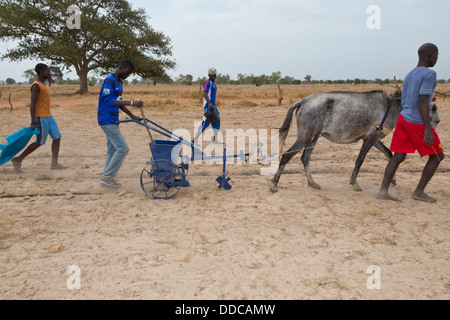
(341, 117)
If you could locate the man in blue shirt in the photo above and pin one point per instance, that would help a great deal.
(209, 102)
(109, 103)
(414, 130)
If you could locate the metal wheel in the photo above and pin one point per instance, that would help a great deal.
(160, 179)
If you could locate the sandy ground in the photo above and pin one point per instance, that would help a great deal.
(205, 243)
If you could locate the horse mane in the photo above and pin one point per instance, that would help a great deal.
(359, 92)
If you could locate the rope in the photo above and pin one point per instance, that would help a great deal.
(295, 151)
(288, 152)
(436, 154)
(380, 127)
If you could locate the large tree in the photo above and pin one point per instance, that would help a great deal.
(109, 30)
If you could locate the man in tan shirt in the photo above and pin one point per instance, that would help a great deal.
(42, 119)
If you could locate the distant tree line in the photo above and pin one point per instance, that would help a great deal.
(274, 78)
(188, 79)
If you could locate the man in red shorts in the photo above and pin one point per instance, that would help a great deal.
(414, 130)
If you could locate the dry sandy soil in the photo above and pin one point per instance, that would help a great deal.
(206, 243)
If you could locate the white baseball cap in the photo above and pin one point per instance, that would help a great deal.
(212, 71)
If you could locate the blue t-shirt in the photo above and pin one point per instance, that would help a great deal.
(211, 88)
(420, 81)
(111, 91)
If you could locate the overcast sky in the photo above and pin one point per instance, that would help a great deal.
(326, 39)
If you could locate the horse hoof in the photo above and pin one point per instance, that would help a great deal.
(315, 186)
(357, 188)
(274, 189)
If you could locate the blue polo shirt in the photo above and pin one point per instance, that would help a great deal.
(420, 81)
(211, 88)
(111, 91)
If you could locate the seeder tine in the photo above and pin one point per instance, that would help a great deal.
(224, 182)
(219, 180)
(227, 186)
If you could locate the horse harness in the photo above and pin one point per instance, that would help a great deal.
(380, 127)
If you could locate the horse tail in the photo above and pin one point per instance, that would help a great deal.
(284, 130)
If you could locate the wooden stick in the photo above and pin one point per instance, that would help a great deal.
(145, 121)
(280, 95)
(9, 100)
(445, 94)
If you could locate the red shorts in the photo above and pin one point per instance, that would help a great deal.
(409, 137)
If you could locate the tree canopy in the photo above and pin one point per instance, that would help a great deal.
(31, 75)
(109, 31)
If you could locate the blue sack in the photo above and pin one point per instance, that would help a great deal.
(15, 142)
